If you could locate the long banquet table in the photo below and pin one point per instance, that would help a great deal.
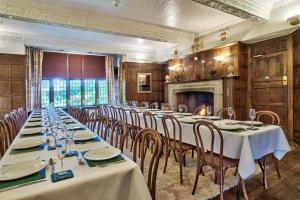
(115, 182)
(247, 146)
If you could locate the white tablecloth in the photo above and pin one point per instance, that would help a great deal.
(115, 182)
(246, 146)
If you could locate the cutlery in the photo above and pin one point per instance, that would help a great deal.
(21, 185)
(105, 165)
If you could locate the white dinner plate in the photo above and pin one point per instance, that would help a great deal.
(30, 131)
(228, 127)
(190, 121)
(28, 124)
(212, 117)
(84, 135)
(21, 169)
(255, 123)
(166, 111)
(186, 114)
(28, 143)
(104, 153)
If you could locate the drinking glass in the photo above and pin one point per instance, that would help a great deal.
(252, 115)
(208, 110)
(173, 107)
(180, 108)
(61, 154)
(230, 112)
(156, 106)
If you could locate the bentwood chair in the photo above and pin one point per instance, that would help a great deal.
(183, 107)
(135, 125)
(141, 142)
(144, 104)
(223, 113)
(153, 105)
(213, 157)
(103, 127)
(150, 122)
(4, 139)
(173, 142)
(91, 121)
(11, 126)
(268, 117)
(118, 135)
(123, 117)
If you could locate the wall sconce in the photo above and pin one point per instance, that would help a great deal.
(174, 67)
(294, 20)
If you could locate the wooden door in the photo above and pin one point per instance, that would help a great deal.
(268, 91)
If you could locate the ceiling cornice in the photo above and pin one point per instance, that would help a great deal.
(42, 13)
(252, 10)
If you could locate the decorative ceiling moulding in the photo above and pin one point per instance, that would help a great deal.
(252, 10)
(45, 14)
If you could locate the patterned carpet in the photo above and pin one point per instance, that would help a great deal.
(169, 188)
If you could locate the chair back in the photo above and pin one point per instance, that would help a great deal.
(135, 119)
(268, 117)
(172, 129)
(118, 134)
(144, 104)
(84, 115)
(150, 120)
(122, 114)
(142, 141)
(200, 128)
(153, 105)
(10, 123)
(103, 127)
(4, 140)
(91, 121)
(224, 113)
(184, 108)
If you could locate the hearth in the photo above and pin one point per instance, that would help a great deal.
(193, 99)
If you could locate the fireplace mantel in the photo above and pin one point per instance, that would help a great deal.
(213, 86)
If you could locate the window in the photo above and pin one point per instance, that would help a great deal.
(45, 93)
(75, 92)
(102, 92)
(60, 92)
(90, 91)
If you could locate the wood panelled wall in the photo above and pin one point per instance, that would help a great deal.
(158, 76)
(12, 82)
(269, 63)
(296, 58)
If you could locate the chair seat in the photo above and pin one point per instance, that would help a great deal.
(176, 145)
(227, 162)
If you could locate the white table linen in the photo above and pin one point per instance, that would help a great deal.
(247, 145)
(115, 182)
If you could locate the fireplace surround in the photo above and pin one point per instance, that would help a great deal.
(212, 86)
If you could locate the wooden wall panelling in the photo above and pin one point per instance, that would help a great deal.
(12, 82)
(158, 79)
(296, 89)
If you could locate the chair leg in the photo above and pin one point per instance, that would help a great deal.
(265, 172)
(180, 167)
(166, 159)
(221, 184)
(244, 188)
(175, 156)
(184, 160)
(277, 166)
(192, 153)
(196, 181)
(236, 171)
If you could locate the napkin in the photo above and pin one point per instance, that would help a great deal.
(32, 135)
(34, 177)
(96, 139)
(94, 163)
(32, 149)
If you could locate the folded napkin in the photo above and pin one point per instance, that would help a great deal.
(34, 177)
(71, 153)
(34, 126)
(32, 149)
(94, 163)
(32, 134)
(96, 139)
(35, 120)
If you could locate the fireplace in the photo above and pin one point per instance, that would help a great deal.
(193, 99)
(206, 92)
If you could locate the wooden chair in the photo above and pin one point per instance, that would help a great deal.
(268, 117)
(9, 121)
(144, 104)
(184, 107)
(83, 117)
(103, 127)
(174, 142)
(123, 117)
(135, 125)
(150, 120)
(224, 113)
(213, 157)
(118, 135)
(153, 105)
(4, 139)
(141, 142)
(91, 121)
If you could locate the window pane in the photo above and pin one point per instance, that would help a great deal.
(102, 92)
(45, 93)
(90, 92)
(75, 92)
(60, 93)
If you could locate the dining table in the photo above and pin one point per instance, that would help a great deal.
(115, 181)
(243, 144)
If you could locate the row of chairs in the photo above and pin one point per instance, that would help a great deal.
(10, 127)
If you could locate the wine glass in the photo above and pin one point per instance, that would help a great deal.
(156, 106)
(230, 112)
(180, 108)
(173, 107)
(252, 115)
(208, 110)
(61, 154)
